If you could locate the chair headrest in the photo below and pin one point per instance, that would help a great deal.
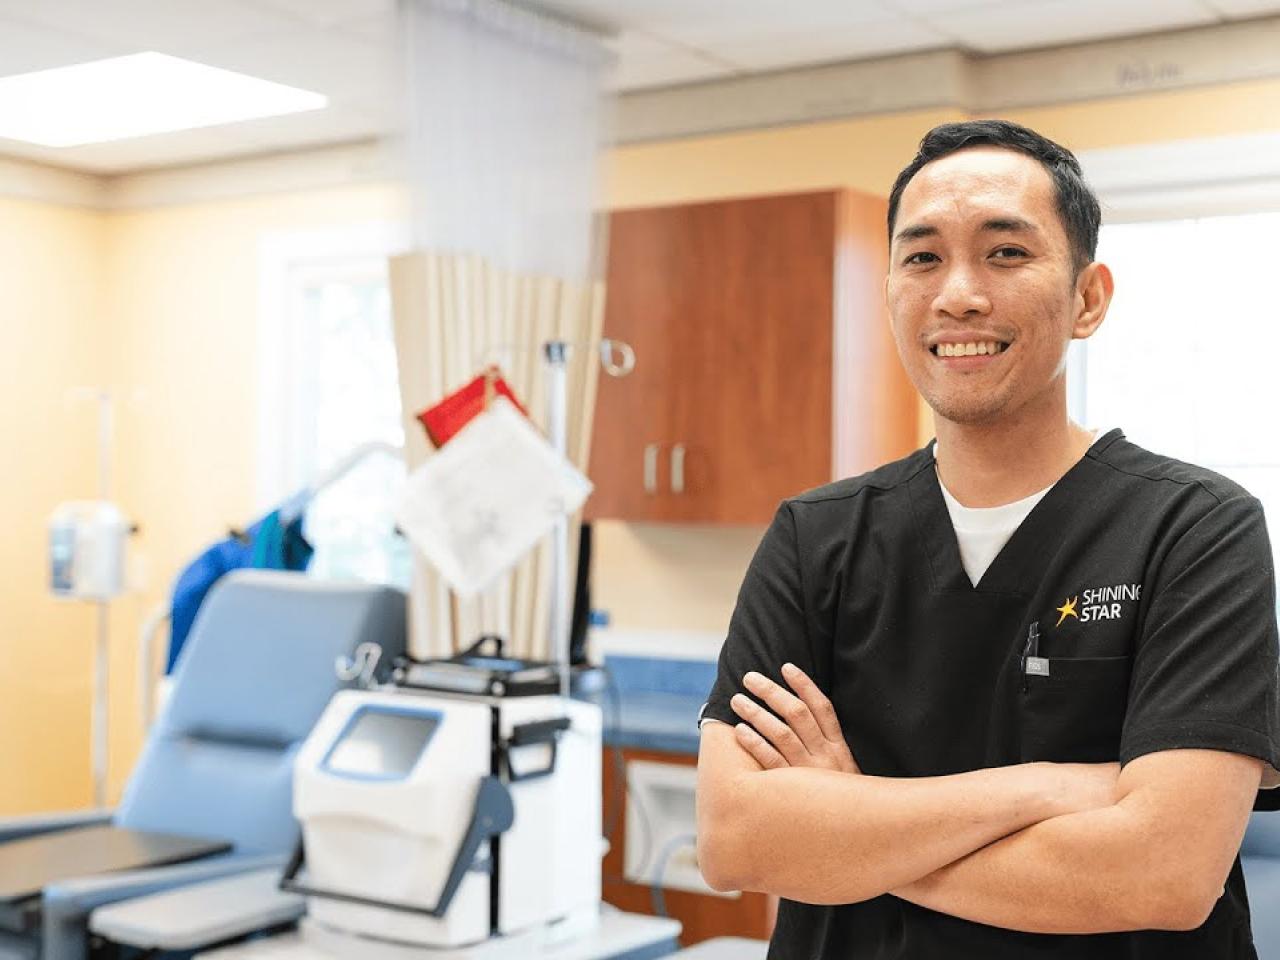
(259, 663)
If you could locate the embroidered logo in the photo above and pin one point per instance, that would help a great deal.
(1099, 603)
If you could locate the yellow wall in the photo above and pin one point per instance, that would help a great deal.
(166, 300)
(160, 307)
(53, 329)
(183, 283)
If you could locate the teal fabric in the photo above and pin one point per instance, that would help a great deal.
(269, 544)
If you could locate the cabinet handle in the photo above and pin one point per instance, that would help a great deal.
(651, 468)
(677, 468)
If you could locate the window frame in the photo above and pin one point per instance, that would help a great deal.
(285, 261)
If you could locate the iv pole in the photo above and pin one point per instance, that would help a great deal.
(102, 659)
(555, 354)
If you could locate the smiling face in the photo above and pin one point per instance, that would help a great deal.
(983, 295)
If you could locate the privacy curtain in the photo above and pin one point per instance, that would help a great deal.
(505, 118)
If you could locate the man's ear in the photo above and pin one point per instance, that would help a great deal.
(1094, 287)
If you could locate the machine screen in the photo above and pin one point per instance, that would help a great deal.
(382, 743)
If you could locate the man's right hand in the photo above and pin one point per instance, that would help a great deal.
(803, 731)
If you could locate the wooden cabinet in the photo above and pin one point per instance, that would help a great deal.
(764, 362)
(702, 916)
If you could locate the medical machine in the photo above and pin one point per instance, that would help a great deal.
(87, 549)
(439, 817)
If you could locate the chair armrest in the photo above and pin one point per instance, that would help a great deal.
(199, 915)
(100, 889)
(68, 903)
(15, 828)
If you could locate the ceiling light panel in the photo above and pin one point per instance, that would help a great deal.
(134, 96)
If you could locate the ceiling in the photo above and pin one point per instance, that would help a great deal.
(346, 49)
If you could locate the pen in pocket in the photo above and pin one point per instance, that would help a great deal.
(1032, 663)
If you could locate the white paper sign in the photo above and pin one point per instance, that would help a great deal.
(490, 494)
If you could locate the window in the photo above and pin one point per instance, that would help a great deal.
(329, 387)
(1182, 362)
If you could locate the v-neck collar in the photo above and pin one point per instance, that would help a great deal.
(1014, 568)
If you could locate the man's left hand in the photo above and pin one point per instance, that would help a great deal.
(802, 730)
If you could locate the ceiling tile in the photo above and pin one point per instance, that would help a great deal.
(1245, 8)
(347, 48)
(384, 31)
(323, 61)
(790, 47)
(999, 27)
(168, 26)
(607, 15)
(328, 13)
(24, 49)
(645, 61)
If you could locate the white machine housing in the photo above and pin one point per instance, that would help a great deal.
(386, 785)
(86, 550)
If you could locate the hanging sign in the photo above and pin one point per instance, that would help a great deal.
(491, 493)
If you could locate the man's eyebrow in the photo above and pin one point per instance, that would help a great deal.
(1009, 225)
(915, 232)
(918, 231)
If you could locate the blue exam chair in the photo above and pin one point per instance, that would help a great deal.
(255, 675)
(1260, 858)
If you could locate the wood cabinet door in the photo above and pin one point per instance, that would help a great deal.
(646, 289)
(729, 306)
(755, 417)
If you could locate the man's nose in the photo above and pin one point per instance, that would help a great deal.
(961, 294)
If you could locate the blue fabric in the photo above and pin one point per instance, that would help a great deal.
(268, 544)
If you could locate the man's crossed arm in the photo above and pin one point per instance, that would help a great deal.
(1039, 847)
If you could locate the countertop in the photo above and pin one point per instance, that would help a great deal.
(653, 703)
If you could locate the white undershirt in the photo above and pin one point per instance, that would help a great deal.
(982, 532)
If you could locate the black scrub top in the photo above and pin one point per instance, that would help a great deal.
(1150, 585)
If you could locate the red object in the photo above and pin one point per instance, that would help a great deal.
(457, 409)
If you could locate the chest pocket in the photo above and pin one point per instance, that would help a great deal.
(1076, 712)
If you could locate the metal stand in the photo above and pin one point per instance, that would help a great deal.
(102, 655)
(555, 353)
(100, 722)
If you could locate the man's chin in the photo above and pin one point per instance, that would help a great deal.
(968, 412)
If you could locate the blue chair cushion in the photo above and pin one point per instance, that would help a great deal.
(256, 674)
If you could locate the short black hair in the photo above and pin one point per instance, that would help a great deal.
(1077, 204)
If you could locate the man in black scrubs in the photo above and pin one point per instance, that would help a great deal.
(939, 737)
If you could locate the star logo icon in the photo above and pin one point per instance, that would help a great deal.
(1068, 609)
